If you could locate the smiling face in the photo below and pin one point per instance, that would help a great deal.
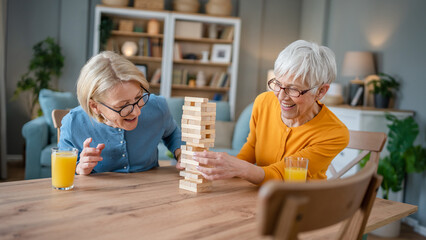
(124, 93)
(296, 111)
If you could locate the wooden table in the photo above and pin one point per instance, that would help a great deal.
(147, 205)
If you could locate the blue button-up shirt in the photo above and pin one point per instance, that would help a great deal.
(125, 151)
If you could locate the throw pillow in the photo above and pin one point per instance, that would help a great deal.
(50, 100)
(224, 133)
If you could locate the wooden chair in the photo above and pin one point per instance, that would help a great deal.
(57, 115)
(286, 209)
(368, 142)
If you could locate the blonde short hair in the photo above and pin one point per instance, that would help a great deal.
(101, 73)
(307, 62)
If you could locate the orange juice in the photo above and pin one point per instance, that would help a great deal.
(295, 174)
(63, 169)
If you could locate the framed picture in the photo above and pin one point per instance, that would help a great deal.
(143, 68)
(221, 53)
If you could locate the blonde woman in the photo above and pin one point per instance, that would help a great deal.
(118, 124)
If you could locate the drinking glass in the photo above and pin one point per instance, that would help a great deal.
(296, 169)
(63, 168)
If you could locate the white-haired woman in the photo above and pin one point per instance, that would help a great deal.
(119, 117)
(288, 121)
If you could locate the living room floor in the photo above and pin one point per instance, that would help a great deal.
(16, 172)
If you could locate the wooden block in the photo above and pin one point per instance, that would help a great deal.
(189, 161)
(198, 131)
(194, 149)
(125, 25)
(205, 107)
(198, 113)
(192, 176)
(198, 138)
(202, 145)
(198, 122)
(191, 168)
(196, 99)
(199, 118)
(195, 187)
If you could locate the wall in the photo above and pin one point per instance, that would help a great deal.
(396, 32)
(28, 23)
(268, 26)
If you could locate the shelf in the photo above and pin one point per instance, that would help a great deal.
(197, 62)
(135, 34)
(204, 40)
(136, 59)
(196, 88)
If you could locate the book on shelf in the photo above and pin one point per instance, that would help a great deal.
(156, 77)
(177, 77)
(156, 47)
(219, 79)
(227, 33)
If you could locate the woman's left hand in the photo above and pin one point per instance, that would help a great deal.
(218, 165)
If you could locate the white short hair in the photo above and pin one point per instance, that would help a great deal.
(307, 62)
(101, 73)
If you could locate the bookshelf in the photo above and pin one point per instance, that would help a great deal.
(215, 36)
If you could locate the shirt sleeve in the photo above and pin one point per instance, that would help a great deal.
(172, 135)
(319, 154)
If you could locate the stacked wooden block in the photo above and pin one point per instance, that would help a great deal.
(198, 131)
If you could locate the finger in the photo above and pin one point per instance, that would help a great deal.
(87, 166)
(90, 152)
(100, 146)
(206, 154)
(93, 159)
(86, 143)
(204, 161)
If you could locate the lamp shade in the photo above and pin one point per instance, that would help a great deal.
(358, 64)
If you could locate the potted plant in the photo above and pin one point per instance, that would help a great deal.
(404, 157)
(383, 90)
(47, 62)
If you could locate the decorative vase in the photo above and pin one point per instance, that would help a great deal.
(219, 7)
(381, 101)
(153, 26)
(188, 6)
(201, 79)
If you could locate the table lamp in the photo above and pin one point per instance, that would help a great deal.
(357, 64)
(129, 48)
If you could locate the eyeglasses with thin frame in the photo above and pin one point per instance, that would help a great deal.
(127, 109)
(275, 86)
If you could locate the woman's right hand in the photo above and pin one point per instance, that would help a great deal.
(89, 157)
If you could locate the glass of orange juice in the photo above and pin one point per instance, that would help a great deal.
(296, 169)
(63, 167)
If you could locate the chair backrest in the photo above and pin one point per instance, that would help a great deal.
(369, 143)
(285, 209)
(57, 115)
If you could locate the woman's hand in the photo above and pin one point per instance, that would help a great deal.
(177, 154)
(89, 157)
(220, 165)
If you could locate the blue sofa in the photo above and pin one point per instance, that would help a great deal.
(40, 134)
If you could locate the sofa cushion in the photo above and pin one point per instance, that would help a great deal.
(50, 100)
(223, 136)
(45, 158)
(242, 128)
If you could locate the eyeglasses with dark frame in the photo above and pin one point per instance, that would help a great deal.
(127, 109)
(275, 86)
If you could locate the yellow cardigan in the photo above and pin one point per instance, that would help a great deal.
(270, 140)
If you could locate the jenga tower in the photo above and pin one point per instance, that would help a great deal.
(198, 131)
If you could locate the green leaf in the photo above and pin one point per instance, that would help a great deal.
(47, 62)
